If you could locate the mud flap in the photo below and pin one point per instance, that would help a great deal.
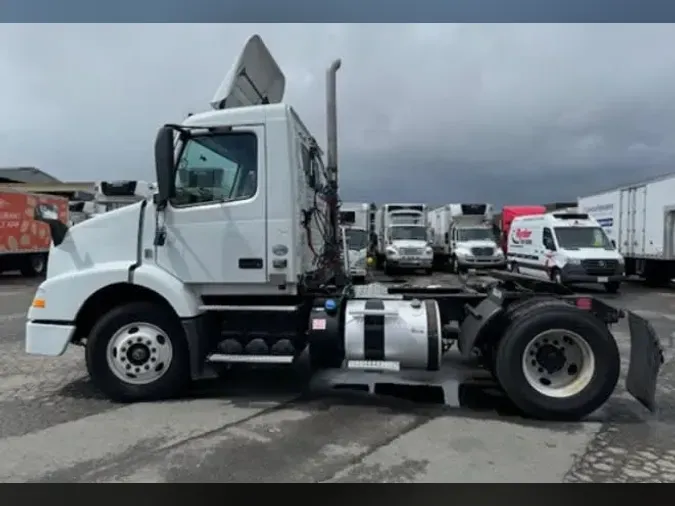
(646, 358)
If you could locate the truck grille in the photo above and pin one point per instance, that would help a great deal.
(600, 267)
(483, 252)
(411, 251)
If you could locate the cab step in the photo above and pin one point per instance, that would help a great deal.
(250, 359)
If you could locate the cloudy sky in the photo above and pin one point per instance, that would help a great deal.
(436, 113)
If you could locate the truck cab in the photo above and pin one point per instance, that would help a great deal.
(403, 241)
(463, 237)
(355, 248)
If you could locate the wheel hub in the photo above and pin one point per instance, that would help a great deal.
(139, 353)
(558, 363)
(551, 358)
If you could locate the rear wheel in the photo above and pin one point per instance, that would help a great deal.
(34, 265)
(138, 352)
(557, 362)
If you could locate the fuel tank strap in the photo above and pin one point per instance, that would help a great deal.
(373, 330)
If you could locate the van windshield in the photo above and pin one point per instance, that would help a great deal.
(412, 233)
(582, 237)
(474, 234)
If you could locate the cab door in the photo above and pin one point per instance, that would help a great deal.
(216, 220)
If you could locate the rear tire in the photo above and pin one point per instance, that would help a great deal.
(144, 344)
(34, 265)
(592, 380)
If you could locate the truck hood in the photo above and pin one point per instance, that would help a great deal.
(477, 244)
(591, 253)
(104, 238)
(408, 243)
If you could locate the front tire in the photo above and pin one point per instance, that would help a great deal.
(556, 362)
(138, 352)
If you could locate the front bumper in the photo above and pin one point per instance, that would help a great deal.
(481, 263)
(357, 272)
(410, 262)
(47, 338)
(577, 274)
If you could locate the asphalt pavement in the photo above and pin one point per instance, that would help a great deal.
(54, 426)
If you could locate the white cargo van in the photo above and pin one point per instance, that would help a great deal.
(564, 247)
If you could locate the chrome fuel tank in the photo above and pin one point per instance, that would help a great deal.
(407, 332)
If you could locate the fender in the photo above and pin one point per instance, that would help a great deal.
(478, 319)
(65, 294)
(182, 300)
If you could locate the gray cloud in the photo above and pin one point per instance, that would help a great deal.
(506, 113)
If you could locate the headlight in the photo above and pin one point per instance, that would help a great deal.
(392, 251)
(574, 261)
(462, 253)
(621, 261)
(499, 252)
(429, 251)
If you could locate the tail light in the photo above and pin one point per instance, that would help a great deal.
(584, 303)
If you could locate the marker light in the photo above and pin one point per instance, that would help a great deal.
(330, 305)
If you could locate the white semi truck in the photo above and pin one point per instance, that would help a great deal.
(246, 268)
(640, 220)
(402, 239)
(463, 237)
(356, 224)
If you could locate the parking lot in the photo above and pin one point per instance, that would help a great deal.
(55, 427)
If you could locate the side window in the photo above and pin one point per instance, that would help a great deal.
(217, 168)
(547, 240)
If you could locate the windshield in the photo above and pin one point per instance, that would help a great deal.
(475, 234)
(356, 239)
(582, 237)
(411, 233)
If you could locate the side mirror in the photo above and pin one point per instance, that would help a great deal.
(164, 162)
(613, 243)
(49, 214)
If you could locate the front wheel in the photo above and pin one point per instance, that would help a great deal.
(138, 352)
(556, 362)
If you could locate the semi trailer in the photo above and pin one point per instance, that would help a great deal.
(249, 271)
(640, 220)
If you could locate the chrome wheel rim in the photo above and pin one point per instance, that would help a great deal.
(558, 363)
(139, 353)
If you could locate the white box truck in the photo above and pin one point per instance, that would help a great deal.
(356, 223)
(163, 291)
(402, 238)
(640, 221)
(463, 237)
